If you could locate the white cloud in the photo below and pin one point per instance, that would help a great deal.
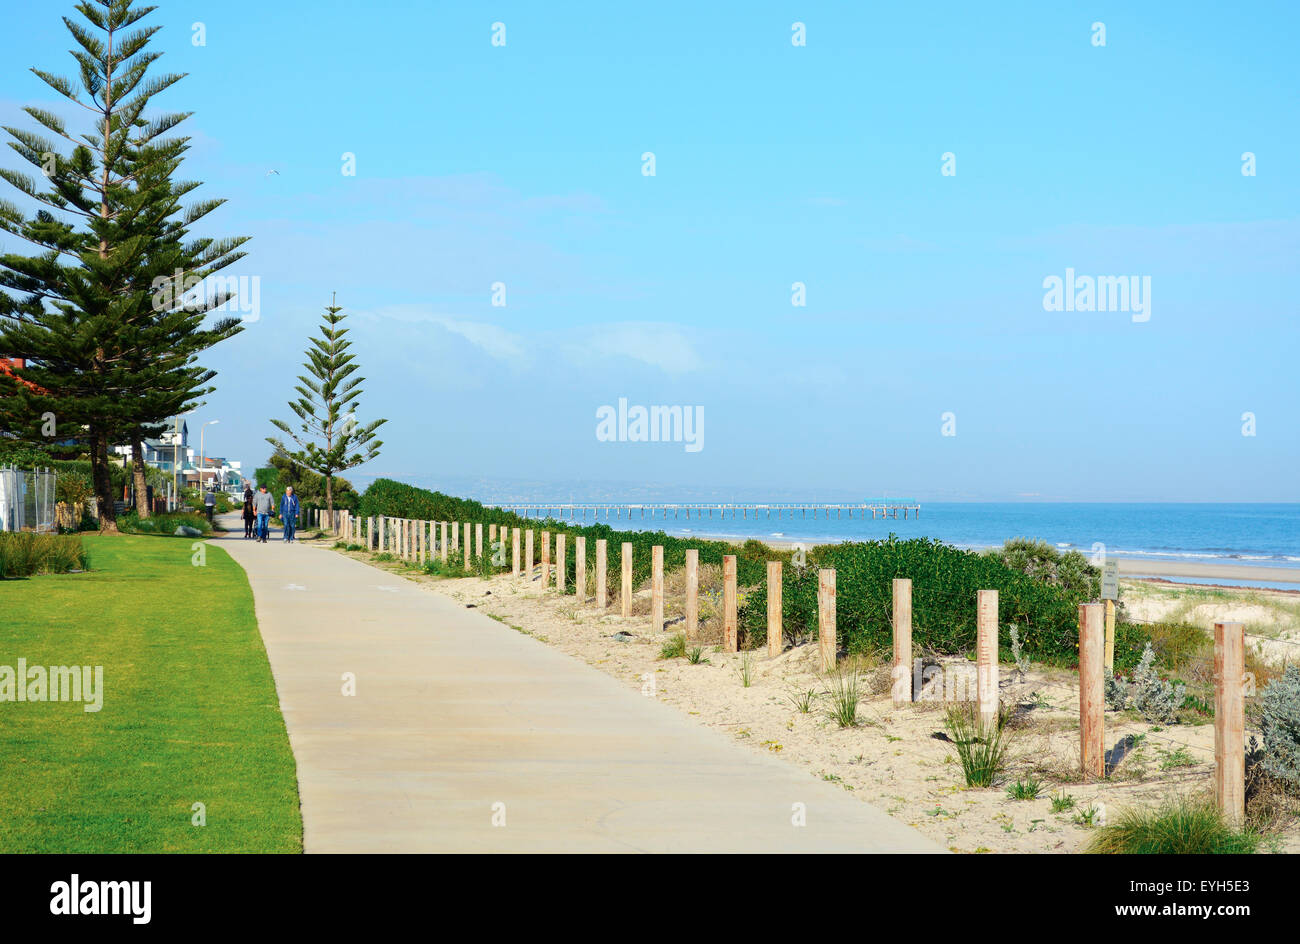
(660, 345)
(492, 339)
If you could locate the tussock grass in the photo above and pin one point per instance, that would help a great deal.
(25, 553)
(981, 748)
(674, 648)
(844, 691)
(1026, 788)
(1180, 827)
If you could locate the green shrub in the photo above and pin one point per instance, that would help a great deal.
(1181, 827)
(164, 524)
(1279, 721)
(1156, 699)
(1070, 571)
(945, 586)
(25, 553)
(397, 499)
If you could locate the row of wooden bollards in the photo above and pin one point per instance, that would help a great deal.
(412, 540)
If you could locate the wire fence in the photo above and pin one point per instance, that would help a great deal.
(27, 499)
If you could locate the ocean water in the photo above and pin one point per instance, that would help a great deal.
(1242, 534)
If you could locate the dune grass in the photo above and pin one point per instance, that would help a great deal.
(1181, 827)
(189, 713)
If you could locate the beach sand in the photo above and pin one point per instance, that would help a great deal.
(1209, 571)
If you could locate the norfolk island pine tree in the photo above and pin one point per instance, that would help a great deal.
(328, 437)
(102, 357)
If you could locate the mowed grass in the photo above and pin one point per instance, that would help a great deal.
(189, 713)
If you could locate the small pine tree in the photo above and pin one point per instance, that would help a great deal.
(328, 437)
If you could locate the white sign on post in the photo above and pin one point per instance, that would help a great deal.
(1110, 580)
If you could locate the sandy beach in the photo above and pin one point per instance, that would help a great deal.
(1209, 571)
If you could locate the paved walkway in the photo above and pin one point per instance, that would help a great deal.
(457, 719)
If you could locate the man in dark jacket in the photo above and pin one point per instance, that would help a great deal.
(289, 513)
(249, 515)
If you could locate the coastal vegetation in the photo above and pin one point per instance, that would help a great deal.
(26, 553)
(1042, 603)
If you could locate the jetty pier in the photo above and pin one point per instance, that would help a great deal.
(875, 508)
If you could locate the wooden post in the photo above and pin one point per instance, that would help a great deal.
(692, 594)
(443, 549)
(467, 547)
(420, 537)
(775, 624)
(478, 539)
(1230, 721)
(1110, 637)
(455, 535)
(602, 588)
(546, 559)
(986, 656)
(657, 588)
(528, 554)
(902, 688)
(580, 567)
(559, 562)
(492, 534)
(1092, 698)
(626, 588)
(730, 636)
(827, 643)
(370, 533)
(514, 552)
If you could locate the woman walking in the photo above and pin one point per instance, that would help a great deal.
(249, 515)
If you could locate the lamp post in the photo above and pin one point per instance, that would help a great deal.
(202, 430)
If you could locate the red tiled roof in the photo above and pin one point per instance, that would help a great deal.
(6, 365)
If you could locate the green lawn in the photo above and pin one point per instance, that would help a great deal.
(189, 710)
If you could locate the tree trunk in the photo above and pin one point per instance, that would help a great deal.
(102, 480)
(142, 508)
(329, 496)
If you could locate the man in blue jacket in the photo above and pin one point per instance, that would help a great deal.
(289, 512)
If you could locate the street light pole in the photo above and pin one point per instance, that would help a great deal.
(176, 464)
(202, 430)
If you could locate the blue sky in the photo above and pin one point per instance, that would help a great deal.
(775, 164)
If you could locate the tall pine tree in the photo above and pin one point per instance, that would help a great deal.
(328, 437)
(100, 313)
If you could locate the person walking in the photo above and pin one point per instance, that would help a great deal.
(262, 505)
(289, 513)
(249, 515)
(210, 502)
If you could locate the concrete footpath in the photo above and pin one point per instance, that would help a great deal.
(466, 736)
